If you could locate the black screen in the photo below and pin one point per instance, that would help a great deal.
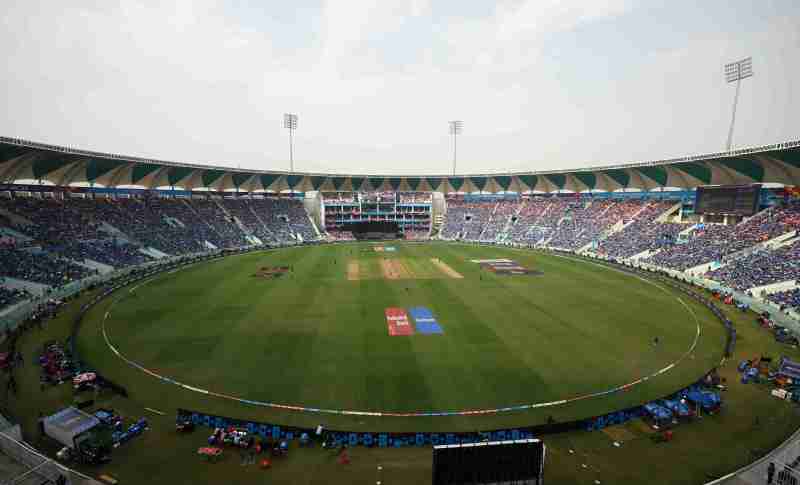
(375, 230)
(734, 199)
(382, 227)
(504, 462)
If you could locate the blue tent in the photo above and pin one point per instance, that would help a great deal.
(789, 368)
(657, 413)
(678, 407)
(709, 401)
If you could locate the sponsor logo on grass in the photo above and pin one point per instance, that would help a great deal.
(424, 320)
(504, 266)
(397, 321)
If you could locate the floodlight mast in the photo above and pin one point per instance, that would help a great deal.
(456, 126)
(290, 123)
(734, 73)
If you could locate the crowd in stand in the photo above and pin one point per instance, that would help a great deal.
(761, 268)
(54, 221)
(564, 222)
(466, 220)
(786, 299)
(242, 210)
(40, 267)
(117, 254)
(287, 219)
(69, 234)
(582, 223)
(499, 219)
(12, 296)
(524, 228)
(123, 232)
(153, 223)
(715, 242)
(643, 234)
(626, 228)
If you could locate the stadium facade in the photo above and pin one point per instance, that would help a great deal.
(26, 160)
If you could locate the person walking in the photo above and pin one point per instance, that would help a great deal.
(41, 424)
(770, 473)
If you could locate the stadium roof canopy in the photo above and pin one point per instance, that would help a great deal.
(22, 159)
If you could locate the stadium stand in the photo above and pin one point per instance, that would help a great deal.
(69, 234)
(499, 220)
(12, 296)
(113, 253)
(39, 267)
(564, 222)
(643, 233)
(66, 234)
(524, 227)
(242, 211)
(714, 242)
(761, 268)
(786, 299)
(466, 220)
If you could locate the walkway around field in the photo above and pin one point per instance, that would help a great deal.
(786, 461)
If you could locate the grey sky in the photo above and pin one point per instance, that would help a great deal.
(539, 84)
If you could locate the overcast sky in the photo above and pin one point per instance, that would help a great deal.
(540, 84)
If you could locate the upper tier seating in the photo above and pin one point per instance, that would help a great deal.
(714, 242)
(117, 232)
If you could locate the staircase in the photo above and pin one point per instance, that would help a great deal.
(486, 226)
(313, 225)
(544, 212)
(246, 230)
(436, 224)
(113, 231)
(210, 226)
(504, 232)
(663, 217)
(261, 221)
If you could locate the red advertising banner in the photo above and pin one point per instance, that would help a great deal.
(398, 323)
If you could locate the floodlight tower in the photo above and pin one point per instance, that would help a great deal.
(735, 72)
(290, 123)
(456, 126)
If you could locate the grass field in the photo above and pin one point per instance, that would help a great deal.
(317, 337)
(752, 422)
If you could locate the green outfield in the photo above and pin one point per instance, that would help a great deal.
(317, 337)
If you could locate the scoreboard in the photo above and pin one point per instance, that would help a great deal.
(740, 200)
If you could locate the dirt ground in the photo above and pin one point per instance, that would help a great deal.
(393, 269)
(353, 271)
